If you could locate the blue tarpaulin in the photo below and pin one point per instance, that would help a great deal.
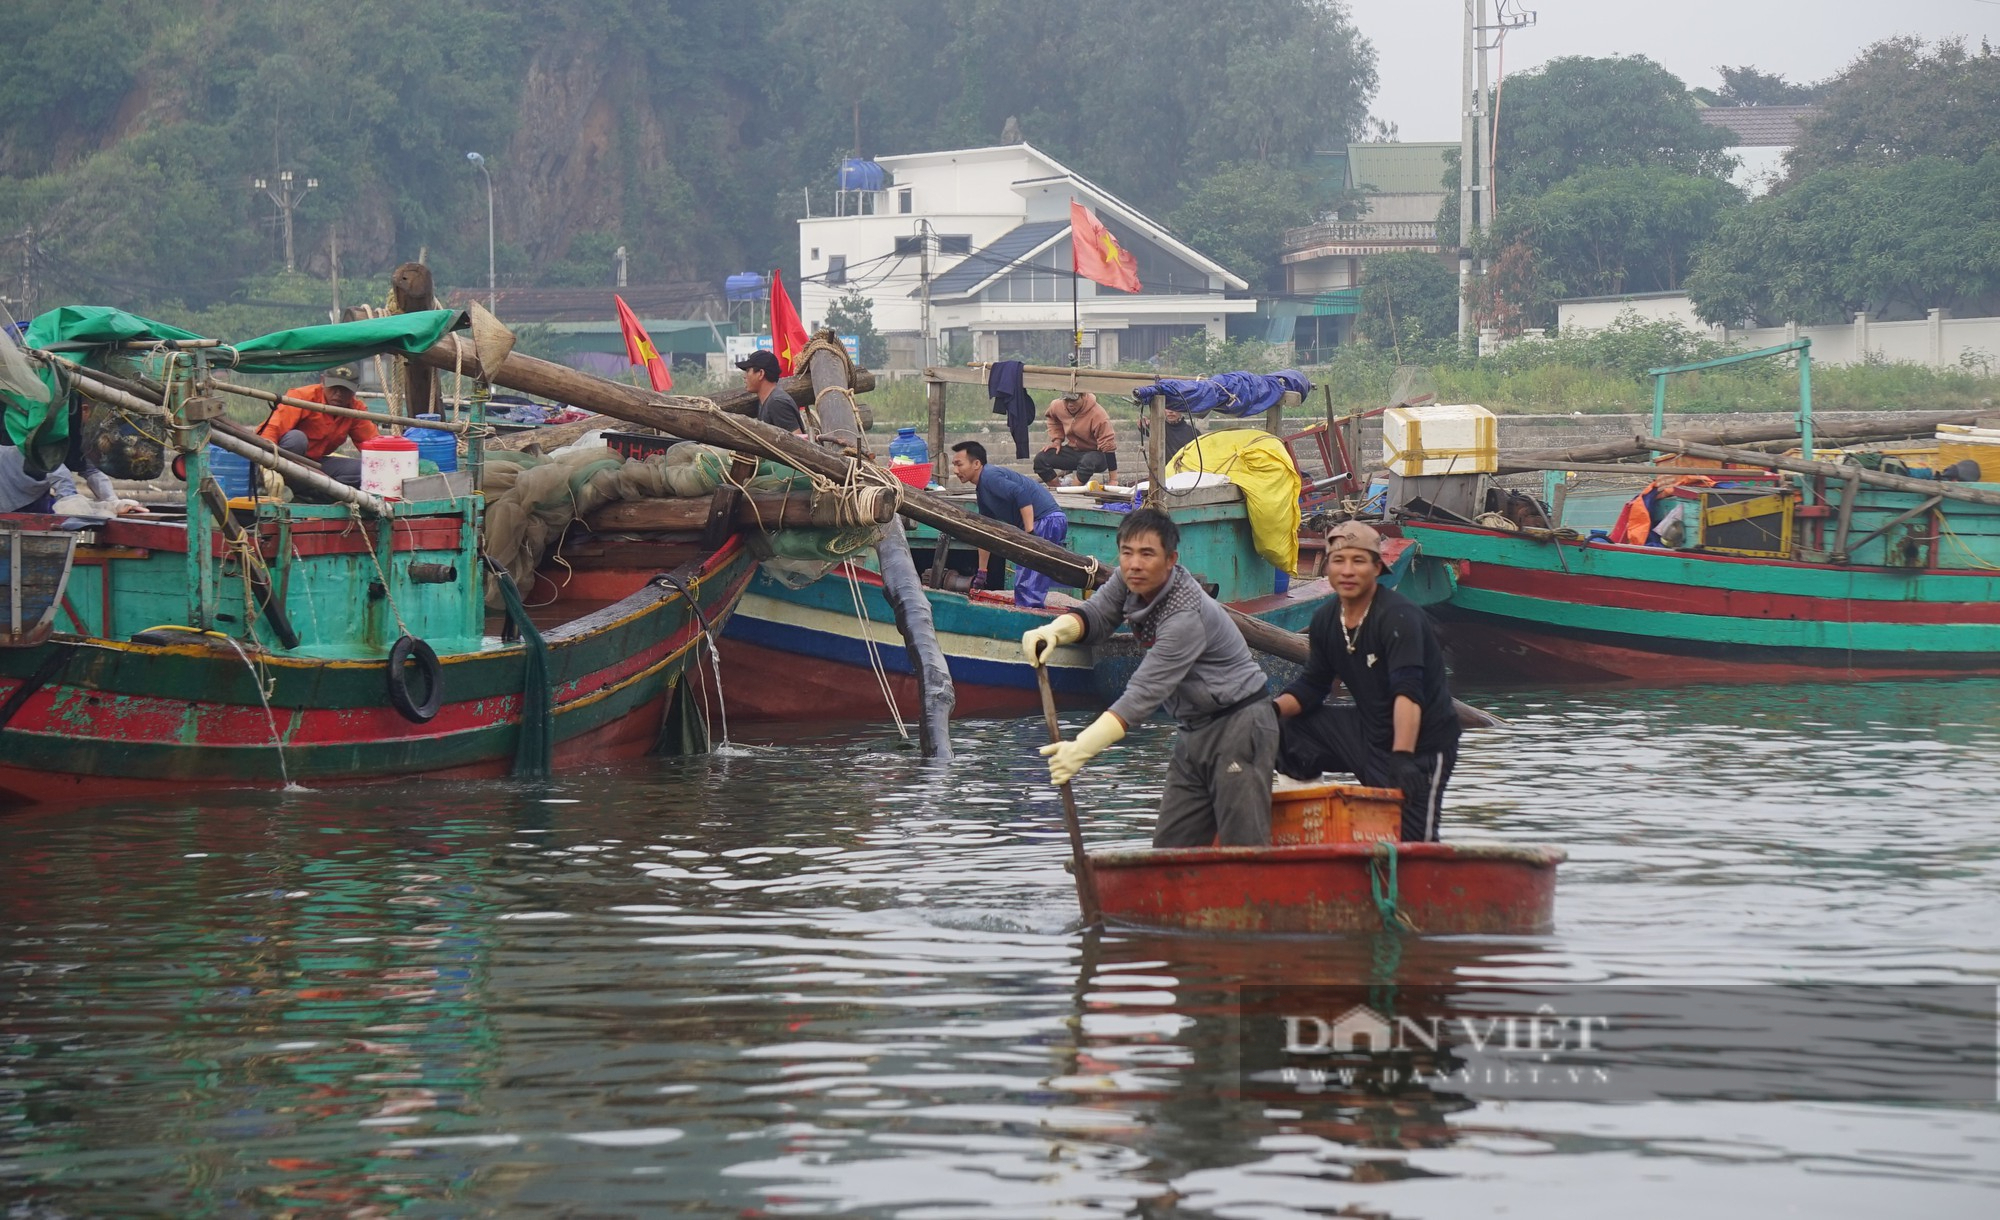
(1230, 393)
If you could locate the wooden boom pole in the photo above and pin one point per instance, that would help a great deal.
(698, 420)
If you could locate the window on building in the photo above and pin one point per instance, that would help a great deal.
(954, 243)
(903, 200)
(910, 245)
(815, 254)
(1043, 278)
(836, 269)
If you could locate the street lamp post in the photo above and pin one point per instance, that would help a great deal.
(491, 280)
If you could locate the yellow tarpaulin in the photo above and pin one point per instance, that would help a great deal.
(1258, 463)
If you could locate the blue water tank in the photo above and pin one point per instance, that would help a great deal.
(744, 286)
(231, 471)
(857, 174)
(433, 445)
(909, 445)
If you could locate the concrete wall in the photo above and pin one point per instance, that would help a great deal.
(1938, 341)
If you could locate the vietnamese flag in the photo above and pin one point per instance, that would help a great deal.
(639, 347)
(1097, 253)
(788, 334)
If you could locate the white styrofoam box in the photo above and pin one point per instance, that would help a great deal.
(1440, 440)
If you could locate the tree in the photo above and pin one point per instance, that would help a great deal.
(1238, 216)
(1621, 229)
(1902, 100)
(1746, 86)
(1408, 302)
(1579, 113)
(1892, 241)
(854, 315)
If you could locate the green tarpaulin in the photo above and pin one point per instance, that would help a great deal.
(311, 348)
(42, 428)
(86, 331)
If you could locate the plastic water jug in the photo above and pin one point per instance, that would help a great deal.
(909, 445)
(437, 447)
(231, 471)
(385, 462)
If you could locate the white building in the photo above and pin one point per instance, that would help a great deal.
(999, 270)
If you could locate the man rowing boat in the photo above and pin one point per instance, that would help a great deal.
(1196, 665)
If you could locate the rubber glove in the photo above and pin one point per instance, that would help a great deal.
(1066, 758)
(1037, 644)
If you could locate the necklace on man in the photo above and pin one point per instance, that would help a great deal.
(1345, 636)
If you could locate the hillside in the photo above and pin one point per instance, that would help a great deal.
(687, 131)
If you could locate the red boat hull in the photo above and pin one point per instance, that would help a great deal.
(1442, 888)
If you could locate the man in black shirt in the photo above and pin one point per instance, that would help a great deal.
(774, 406)
(1401, 731)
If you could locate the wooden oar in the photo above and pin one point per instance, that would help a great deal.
(1086, 881)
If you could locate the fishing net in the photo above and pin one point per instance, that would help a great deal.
(528, 506)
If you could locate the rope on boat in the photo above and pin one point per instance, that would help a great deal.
(1382, 886)
(534, 750)
(667, 580)
(874, 654)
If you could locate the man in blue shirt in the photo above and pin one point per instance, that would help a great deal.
(1010, 496)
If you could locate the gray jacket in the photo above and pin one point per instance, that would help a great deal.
(1196, 662)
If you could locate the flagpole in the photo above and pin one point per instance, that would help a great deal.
(1075, 319)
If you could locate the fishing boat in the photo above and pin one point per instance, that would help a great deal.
(831, 649)
(1429, 888)
(260, 641)
(1770, 569)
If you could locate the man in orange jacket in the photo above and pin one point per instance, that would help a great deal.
(315, 434)
(1080, 439)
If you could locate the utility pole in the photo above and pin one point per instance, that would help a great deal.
(286, 201)
(27, 301)
(1468, 181)
(1478, 142)
(924, 279)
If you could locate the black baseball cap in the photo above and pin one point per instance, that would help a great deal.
(764, 362)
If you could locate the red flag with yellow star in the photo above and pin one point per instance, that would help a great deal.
(639, 347)
(1097, 253)
(788, 334)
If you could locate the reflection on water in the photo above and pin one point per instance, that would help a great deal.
(818, 979)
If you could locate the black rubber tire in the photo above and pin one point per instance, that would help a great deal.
(408, 649)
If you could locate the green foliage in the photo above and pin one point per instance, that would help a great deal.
(590, 262)
(1202, 354)
(1596, 372)
(1409, 303)
(854, 315)
(689, 129)
(1609, 230)
(1902, 100)
(1892, 242)
(1578, 113)
(1746, 86)
(1237, 214)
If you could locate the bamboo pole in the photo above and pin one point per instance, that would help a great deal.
(1910, 425)
(1834, 470)
(292, 471)
(325, 408)
(299, 476)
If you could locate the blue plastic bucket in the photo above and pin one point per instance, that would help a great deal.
(434, 446)
(231, 471)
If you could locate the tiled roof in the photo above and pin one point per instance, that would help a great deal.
(679, 300)
(1001, 255)
(1759, 126)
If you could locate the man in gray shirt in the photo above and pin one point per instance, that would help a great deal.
(774, 406)
(1196, 666)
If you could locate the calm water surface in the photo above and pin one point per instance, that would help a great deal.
(815, 979)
